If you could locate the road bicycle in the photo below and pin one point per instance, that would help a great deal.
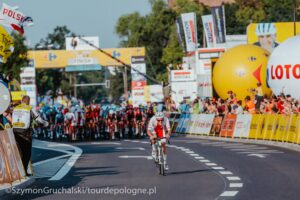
(160, 161)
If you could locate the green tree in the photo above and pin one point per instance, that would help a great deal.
(18, 59)
(151, 31)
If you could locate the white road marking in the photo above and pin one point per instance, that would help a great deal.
(211, 164)
(218, 168)
(195, 154)
(261, 152)
(49, 160)
(213, 143)
(135, 141)
(251, 149)
(69, 164)
(145, 142)
(127, 140)
(236, 185)
(199, 157)
(190, 152)
(229, 146)
(233, 178)
(131, 148)
(204, 161)
(229, 194)
(225, 172)
(183, 149)
(257, 155)
(115, 143)
(126, 156)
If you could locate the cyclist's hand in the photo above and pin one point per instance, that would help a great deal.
(168, 136)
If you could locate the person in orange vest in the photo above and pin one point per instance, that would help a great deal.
(249, 105)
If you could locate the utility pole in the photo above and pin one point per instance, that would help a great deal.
(125, 83)
(75, 82)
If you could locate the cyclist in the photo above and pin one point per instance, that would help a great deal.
(130, 120)
(69, 124)
(139, 122)
(59, 122)
(159, 127)
(79, 122)
(111, 124)
(89, 118)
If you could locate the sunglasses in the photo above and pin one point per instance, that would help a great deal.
(160, 120)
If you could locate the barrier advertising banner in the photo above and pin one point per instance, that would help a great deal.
(184, 126)
(228, 124)
(242, 126)
(203, 124)
(209, 31)
(190, 31)
(269, 128)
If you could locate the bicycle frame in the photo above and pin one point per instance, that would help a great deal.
(159, 153)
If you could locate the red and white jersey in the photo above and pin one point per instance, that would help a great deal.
(159, 130)
(70, 117)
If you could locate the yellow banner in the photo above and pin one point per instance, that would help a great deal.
(292, 130)
(62, 58)
(256, 126)
(298, 130)
(270, 125)
(283, 124)
(6, 45)
(282, 31)
(17, 96)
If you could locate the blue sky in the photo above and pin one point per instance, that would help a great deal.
(84, 17)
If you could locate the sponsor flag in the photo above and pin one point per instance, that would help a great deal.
(208, 26)
(219, 23)
(190, 31)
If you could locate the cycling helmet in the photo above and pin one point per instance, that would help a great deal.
(265, 29)
(111, 112)
(159, 115)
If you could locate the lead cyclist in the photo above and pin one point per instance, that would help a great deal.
(159, 127)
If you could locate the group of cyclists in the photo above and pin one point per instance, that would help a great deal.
(105, 122)
(94, 122)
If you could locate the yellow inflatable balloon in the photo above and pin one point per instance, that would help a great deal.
(239, 70)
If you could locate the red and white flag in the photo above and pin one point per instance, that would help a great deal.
(14, 19)
(190, 31)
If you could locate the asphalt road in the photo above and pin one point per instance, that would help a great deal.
(199, 169)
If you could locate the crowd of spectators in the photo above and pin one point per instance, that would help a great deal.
(256, 104)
